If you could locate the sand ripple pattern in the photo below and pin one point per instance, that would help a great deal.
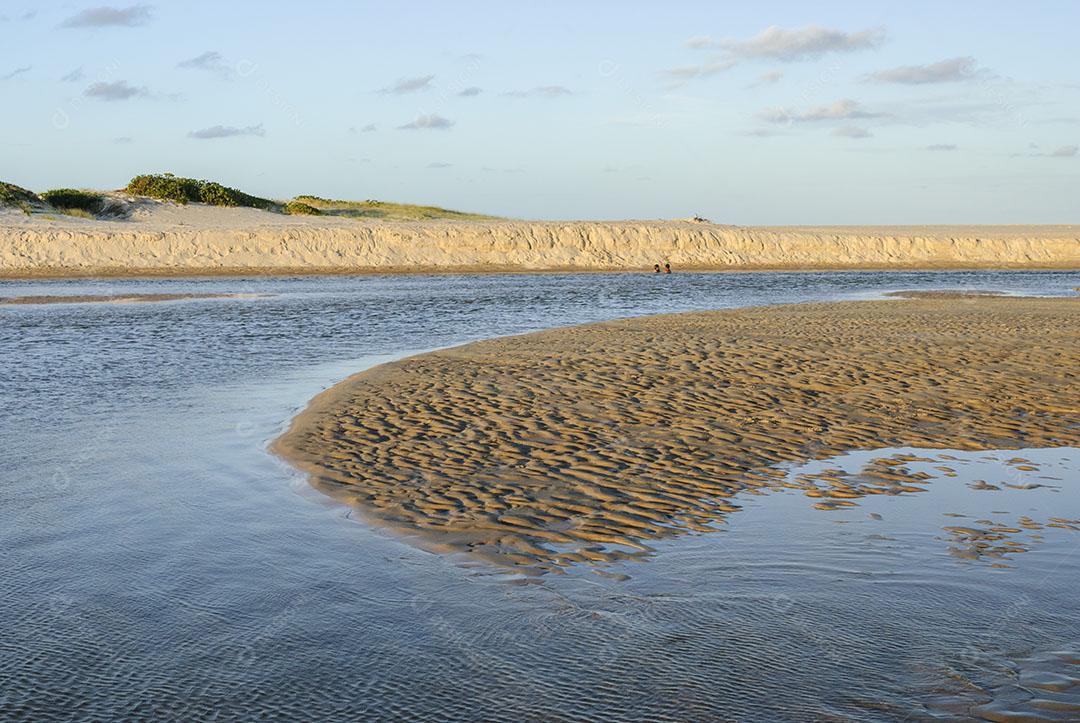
(586, 444)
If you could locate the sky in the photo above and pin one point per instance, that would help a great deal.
(762, 113)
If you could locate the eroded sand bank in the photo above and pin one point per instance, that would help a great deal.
(161, 238)
(589, 442)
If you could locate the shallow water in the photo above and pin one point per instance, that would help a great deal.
(157, 561)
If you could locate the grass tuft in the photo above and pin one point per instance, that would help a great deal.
(77, 213)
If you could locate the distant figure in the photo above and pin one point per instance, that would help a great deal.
(656, 268)
(667, 268)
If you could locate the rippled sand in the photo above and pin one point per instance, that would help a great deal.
(1042, 687)
(588, 443)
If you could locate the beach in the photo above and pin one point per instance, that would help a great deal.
(587, 444)
(574, 362)
(163, 239)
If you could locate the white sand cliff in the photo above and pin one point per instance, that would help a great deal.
(163, 238)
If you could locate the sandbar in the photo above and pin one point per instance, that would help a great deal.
(589, 443)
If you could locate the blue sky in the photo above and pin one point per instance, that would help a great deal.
(747, 113)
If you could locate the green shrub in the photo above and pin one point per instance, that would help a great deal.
(217, 195)
(297, 208)
(168, 187)
(70, 199)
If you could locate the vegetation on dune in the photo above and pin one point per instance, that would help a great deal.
(387, 211)
(84, 204)
(297, 208)
(71, 199)
(12, 196)
(168, 187)
(68, 201)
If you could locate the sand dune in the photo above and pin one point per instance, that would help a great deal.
(587, 443)
(164, 238)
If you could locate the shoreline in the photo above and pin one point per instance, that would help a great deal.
(59, 274)
(584, 444)
(161, 239)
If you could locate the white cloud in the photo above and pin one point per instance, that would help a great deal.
(770, 78)
(951, 70)
(211, 61)
(470, 92)
(427, 122)
(18, 71)
(73, 76)
(704, 70)
(941, 147)
(227, 132)
(774, 43)
(1060, 152)
(700, 41)
(541, 91)
(102, 17)
(28, 15)
(119, 90)
(409, 85)
(794, 44)
(846, 109)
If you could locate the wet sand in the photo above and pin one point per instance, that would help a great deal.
(588, 443)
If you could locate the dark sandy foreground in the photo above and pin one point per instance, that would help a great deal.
(587, 443)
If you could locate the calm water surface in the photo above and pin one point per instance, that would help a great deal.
(156, 561)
